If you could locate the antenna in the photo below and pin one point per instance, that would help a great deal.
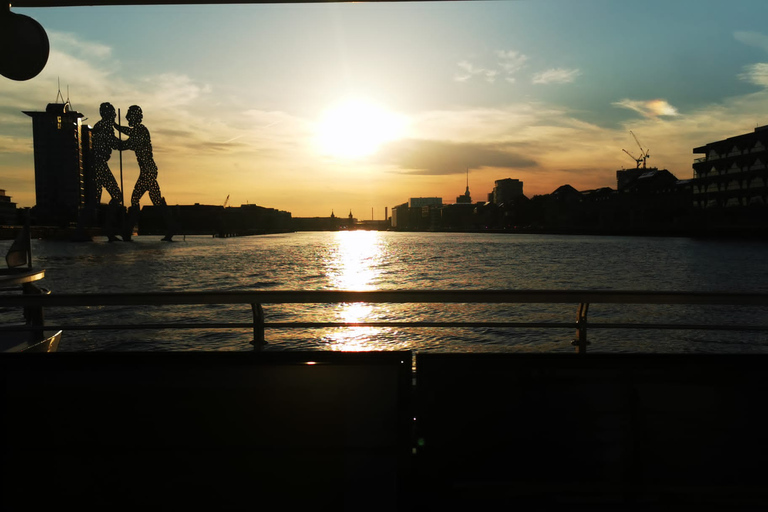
(58, 94)
(466, 193)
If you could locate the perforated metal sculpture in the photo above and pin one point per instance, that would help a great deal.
(140, 142)
(104, 141)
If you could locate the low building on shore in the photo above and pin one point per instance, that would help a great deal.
(332, 223)
(200, 219)
(8, 215)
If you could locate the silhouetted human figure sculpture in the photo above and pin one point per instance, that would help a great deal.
(103, 141)
(139, 141)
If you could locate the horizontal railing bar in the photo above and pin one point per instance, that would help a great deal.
(387, 296)
(292, 325)
(692, 327)
(407, 325)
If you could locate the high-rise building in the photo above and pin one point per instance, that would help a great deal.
(60, 142)
(507, 190)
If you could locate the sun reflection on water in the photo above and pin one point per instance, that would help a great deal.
(355, 264)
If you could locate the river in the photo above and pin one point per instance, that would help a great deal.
(372, 260)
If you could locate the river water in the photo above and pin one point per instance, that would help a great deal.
(371, 260)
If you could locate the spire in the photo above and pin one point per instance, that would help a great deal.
(467, 192)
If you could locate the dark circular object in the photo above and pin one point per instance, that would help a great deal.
(24, 46)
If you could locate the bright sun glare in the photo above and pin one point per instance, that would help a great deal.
(356, 128)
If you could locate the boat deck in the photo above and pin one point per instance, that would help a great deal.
(357, 431)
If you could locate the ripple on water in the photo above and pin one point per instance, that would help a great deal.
(407, 261)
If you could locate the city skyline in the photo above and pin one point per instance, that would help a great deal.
(339, 107)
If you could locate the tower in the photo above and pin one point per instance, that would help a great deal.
(465, 198)
(59, 138)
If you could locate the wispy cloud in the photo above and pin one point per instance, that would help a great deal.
(76, 45)
(508, 66)
(467, 71)
(755, 39)
(650, 108)
(170, 90)
(756, 74)
(556, 76)
(508, 63)
(9, 144)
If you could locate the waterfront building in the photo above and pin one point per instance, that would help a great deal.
(332, 223)
(732, 172)
(201, 219)
(625, 176)
(418, 214)
(59, 137)
(459, 217)
(419, 202)
(649, 180)
(7, 210)
(399, 216)
(507, 190)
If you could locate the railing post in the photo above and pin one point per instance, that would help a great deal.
(581, 329)
(34, 314)
(258, 327)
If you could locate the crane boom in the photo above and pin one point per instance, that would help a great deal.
(637, 160)
(643, 152)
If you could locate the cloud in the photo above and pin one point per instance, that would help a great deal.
(15, 144)
(509, 62)
(755, 39)
(756, 74)
(651, 108)
(72, 44)
(556, 76)
(508, 65)
(439, 157)
(170, 90)
(467, 71)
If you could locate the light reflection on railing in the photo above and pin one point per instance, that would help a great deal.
(355, 305)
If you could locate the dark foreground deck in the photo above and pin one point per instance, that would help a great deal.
(336, 431)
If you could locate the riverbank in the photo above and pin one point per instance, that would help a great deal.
(67, 233)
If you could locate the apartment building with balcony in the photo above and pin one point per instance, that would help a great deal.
(733, 172)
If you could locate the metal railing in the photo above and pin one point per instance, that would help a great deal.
(35, 305)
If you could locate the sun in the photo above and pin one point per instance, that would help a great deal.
(357, 128)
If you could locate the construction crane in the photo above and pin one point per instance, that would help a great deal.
(637, 160)
(643, 152)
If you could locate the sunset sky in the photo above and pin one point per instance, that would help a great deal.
(311, 108)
